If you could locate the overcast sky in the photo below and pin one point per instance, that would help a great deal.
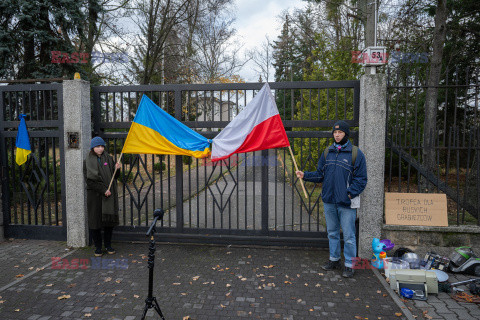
(257, 18)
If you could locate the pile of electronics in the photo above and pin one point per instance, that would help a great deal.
(414, 277)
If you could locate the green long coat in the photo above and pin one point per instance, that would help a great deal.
(101, 213)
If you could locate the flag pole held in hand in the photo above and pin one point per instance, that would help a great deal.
(296, 169)
(113, 176)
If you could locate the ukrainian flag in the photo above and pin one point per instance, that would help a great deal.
(154, 131)
(23, 142)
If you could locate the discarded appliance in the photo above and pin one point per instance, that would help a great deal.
(463, 260)
(436, 261)
(421, 282)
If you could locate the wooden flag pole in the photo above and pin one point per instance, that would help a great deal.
(296, 169)
(113, 177)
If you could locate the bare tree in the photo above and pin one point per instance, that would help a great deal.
(262, 58)
(216, 54)
(158, 21)
(429, 132)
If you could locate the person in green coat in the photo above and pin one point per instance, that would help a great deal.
(102, 204)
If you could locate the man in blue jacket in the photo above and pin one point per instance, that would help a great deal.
(343, 170)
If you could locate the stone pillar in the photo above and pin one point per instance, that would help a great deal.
(373, 106)
(77, 128)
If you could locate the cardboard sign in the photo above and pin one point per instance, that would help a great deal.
(416, 209)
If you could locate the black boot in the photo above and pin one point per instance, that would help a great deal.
(97, 241)
(108, 239)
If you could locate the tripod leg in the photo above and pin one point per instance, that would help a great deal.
(157, 307)
(144, 312)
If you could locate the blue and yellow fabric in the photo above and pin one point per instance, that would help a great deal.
(22, 143)
(154, 131)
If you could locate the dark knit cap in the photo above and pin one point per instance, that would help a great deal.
(342, 126)
(97, 141)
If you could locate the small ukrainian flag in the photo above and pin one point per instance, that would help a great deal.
(23, 142)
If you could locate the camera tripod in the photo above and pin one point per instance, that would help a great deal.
(151, 301)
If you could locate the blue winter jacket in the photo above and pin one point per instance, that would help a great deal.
(339, 177)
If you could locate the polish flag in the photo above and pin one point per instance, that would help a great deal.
(257, 127)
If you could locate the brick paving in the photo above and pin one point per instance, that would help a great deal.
(200, 282)
(443, 306)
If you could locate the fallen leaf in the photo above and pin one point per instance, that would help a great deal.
(311, 310)
(335, 292)
(16, 266)
(269, 267)
(118, 281)
(398, 314)
(320, 274)
(385, 295)
(195, 278)
(244, 279)
(221, 305)
(19, 275)
(358, 317)
(306, 284)
(176, 283)
(186, 318)
(288, 282)
(2, 301)
(318, 285)
(347, 294)
(357, 299)
(367, 306)
(16, 310)
(65, 296)
(228, 294)
(228, 285)
(183, 294)
(72, 285)
(114, 294)
(31, 268)
(379, 291)
(96, 308)
(108, 279)
(136, 296)
(49, 285)
(87, 315)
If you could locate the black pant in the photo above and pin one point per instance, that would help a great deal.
(97, 237)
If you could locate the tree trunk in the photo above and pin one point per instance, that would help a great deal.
(429, 130)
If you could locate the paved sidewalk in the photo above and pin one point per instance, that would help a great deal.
(443, 306)
(200, 282)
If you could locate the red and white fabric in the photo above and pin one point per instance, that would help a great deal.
(257, 127)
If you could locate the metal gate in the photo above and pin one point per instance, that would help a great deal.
(33, 195)
(251, 198)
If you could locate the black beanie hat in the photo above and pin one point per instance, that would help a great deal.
(342, 126)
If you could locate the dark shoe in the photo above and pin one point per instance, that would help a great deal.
(98, 252)
(331, 265)
(348, 272)
(110, 250)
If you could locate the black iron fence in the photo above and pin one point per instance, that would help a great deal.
(33, 194)
(249, 198)
(454, 142)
